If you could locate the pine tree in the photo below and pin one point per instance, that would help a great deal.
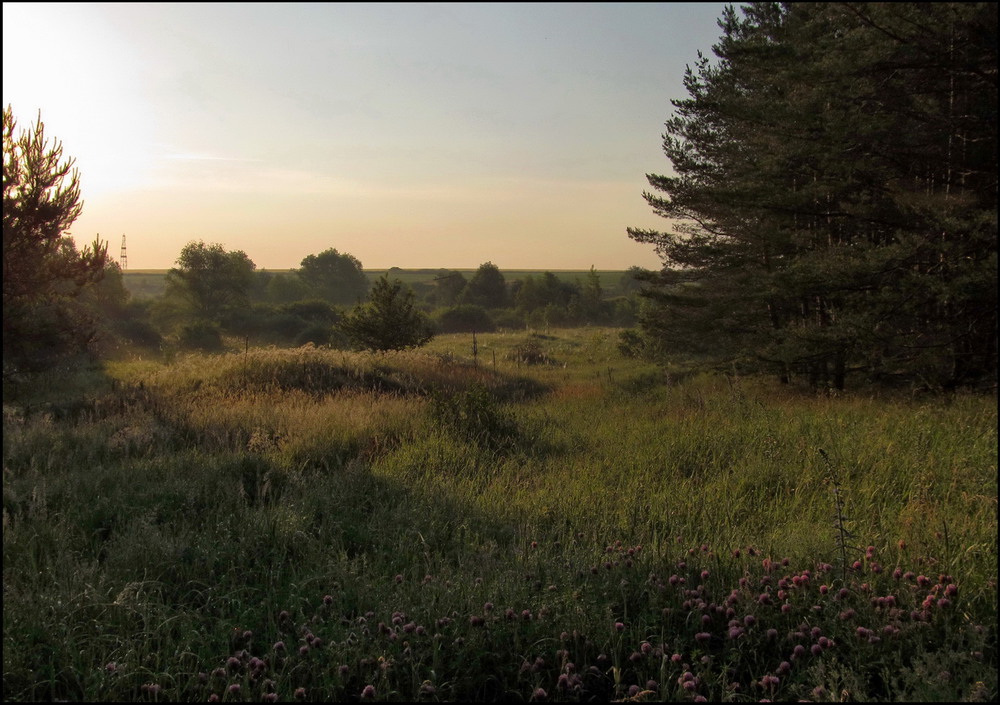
(834, 192)
(388, 321)
(43, 272)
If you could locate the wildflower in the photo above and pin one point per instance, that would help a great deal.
(300, 693)
(279, 646)
(327, 600)
(476, 621)
(816, 649)
(368, 693)
(269, 697)
(304, 650)
(343, 670)
(427, 688)
(398, 579)
(233, 689)
(111, 667)
(798, 652)
(772, 633)
(539, 694)
(213, 698)
(704, 575)
(702, 637)
(619, 626)
(645, 647)
(923, 580)
(633, 690)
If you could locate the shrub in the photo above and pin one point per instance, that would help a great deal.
(467, 318)
(477, 416)
(530, 352)
(200, 336)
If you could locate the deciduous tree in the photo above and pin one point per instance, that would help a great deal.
(210, 284)
(336, 277)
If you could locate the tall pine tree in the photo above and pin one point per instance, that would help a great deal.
(834, 194)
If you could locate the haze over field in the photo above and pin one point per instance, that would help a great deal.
(408, 135)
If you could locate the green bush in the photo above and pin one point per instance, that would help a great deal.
(200, 336)
(476, 416)
(467, 318)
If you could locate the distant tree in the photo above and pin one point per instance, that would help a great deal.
(285, 288)
(210, 284)
(335, 277)
(487, 288)
(448, 287)
(388, 321)
(631, 281)
(43, 272)
(547, 290)
(589, 306)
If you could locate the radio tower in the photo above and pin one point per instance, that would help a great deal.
(123, 258)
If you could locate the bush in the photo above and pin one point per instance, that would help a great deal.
(476, 416)
(530, 352)
(508, 318)
(319, 334)
(467, 318)
(201, 336)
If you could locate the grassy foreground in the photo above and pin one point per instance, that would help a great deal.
(552, 523)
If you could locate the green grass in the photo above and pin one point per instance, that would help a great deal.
(460, 529)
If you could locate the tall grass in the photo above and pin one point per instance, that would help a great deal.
(313, 524)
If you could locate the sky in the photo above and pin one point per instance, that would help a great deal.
(408, 135)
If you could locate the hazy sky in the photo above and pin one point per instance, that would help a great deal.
(408, 135)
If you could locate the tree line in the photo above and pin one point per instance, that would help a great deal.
(833, 196)
(61, 303)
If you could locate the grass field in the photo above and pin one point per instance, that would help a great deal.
(543, 521)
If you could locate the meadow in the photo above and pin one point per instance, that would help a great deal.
(535, 518)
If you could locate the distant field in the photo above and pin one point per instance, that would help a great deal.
(149, 283)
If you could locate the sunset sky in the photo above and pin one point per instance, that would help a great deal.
(409, 135)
